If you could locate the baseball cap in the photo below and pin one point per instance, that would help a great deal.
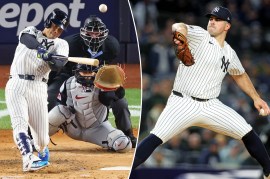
(222, 13)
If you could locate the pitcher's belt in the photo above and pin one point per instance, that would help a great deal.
(194, 98)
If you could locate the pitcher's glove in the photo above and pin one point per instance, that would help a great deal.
(110, 78)
(182, 51)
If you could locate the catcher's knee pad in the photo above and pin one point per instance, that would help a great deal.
(57, 116)
(118, 141)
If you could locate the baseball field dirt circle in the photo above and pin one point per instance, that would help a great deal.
(69, 159)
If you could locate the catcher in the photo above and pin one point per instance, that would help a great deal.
(93, 41)
(83, 110)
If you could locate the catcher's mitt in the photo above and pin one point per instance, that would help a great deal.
(182, 51)
(110, 78)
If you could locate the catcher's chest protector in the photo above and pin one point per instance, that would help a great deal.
(86, 104)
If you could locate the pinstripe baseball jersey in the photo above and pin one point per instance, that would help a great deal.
(25, 60)
(202, 80)
(212, 63)
(27, 98)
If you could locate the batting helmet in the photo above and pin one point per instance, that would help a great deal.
(94, 32)
(57, 17)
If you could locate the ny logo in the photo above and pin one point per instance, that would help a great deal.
(216, 9)
(224, 64)
(47, 44)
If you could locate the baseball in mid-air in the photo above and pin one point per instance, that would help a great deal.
(103, 8)
(262, 113)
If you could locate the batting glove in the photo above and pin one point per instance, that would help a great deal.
(44, 54)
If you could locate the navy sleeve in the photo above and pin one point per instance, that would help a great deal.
(29, 41)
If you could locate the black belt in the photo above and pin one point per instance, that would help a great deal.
(196, 99)
(29, 77)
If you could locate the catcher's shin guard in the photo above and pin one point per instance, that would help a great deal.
(118, 142)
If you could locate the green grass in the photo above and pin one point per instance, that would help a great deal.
(132, 95)
(5, 122)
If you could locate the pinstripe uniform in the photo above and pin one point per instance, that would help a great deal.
(27, 99)
(202, 80)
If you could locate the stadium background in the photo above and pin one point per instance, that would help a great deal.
(198, 152)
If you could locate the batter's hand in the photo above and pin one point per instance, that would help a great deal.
(44, 54)
(261, 104)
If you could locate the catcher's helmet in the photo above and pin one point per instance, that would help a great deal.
(94, 32)
(87, 81)
(58, 17)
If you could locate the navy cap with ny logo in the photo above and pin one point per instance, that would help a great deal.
(222, 13)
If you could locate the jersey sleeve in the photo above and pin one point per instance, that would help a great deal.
(29, 30)
(235, 67)
(62, 48)
(195, 35)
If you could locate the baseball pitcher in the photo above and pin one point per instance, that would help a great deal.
(26, 90)
(205, 58)
(83, 110)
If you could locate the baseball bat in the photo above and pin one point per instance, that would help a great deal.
(81, 60)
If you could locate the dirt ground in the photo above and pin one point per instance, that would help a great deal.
(69, 158)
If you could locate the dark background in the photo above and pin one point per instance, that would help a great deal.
(118, 20)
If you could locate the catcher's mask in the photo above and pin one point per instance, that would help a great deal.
(94, 32)
(59, 18)
(85, 74)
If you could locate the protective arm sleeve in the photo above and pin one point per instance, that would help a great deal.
(29, 41)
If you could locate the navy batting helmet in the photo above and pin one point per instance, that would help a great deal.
(58, 17)
(94, 32)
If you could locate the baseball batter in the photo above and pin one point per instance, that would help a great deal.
(194, 102)
(26, 90)
(93, 41)
(83, 112)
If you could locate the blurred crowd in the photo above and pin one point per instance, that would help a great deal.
(249, 37)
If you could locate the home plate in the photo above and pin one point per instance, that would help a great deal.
(116, 168)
